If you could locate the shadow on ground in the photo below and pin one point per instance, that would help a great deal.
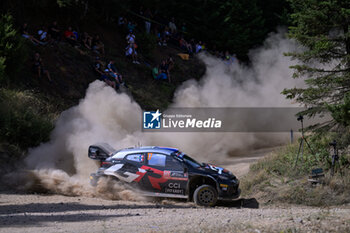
(30, 219)
(39, 213)
(73, 206)
(250, 203)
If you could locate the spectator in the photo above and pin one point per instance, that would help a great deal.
(170, 62)
(199, 47)
(43, 35)
(172, 26)
(163, 72)
(114, 73)
(158, 75)
(54, 31)
(131, 51)
(87, 40)
(166, 36)
(148, 16)
(97, 45)
(111, 67)
(158, 35)
(131, 25)
(130, 38)
(25, 34)
(98, 66)
(204, 46)
(108, 79)
(71, 37)
(39, 68)
(122, 21)
(229, 59)
(185, 46)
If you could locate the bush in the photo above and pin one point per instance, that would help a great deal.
(24, 119)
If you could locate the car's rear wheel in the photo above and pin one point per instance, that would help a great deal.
(205, 195)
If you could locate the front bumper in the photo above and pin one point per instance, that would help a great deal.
(233, 196)
(229, 191)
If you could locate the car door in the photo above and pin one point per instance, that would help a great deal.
(176, 175)
(153, 178)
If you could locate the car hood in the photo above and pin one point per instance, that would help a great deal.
(214, 169)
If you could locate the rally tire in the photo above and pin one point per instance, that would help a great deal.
(205, 195)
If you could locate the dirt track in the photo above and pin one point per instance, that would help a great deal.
(57, 213)
(54, 213)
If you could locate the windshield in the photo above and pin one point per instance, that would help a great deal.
(191, 161)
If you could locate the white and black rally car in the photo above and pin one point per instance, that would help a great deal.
(165, 172)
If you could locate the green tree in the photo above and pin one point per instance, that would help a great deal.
(235, 25)
(9, 47)
(322, 27)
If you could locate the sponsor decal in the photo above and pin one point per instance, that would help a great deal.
(126, 176)
(174, 185)
(155, 182)
(171, 175)
(215, 168)
(174, 191)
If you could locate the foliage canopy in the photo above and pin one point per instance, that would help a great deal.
(323, 28)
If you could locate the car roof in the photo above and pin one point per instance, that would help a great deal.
(146, 149)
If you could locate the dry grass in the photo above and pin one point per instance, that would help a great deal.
(274, 179)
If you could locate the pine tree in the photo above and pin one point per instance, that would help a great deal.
(323, 28)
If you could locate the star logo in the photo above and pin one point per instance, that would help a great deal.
(156, 115)
(152, 120)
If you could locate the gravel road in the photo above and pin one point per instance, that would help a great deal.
(56, 213)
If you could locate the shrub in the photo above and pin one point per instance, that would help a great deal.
(24, 119)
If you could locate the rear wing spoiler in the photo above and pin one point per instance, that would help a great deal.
(100, 151)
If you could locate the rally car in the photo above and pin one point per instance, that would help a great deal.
(165, 172)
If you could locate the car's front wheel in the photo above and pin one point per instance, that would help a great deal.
(94, 179)
(205, 195)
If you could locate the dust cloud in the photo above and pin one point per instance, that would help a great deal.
(62, 166)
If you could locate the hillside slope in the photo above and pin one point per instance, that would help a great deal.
(72, 70)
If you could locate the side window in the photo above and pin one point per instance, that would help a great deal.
(140, 158)
(156, 159)
(173, 164)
